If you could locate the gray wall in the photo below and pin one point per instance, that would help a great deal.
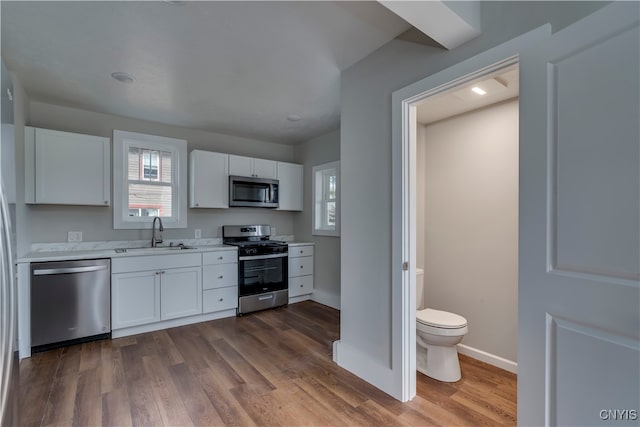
(469, 218)
(20, 117)
(50, 223)
(324, 149)
(365, 154)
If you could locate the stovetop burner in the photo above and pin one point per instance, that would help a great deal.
(252, 240)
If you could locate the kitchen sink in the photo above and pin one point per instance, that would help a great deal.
(179, 247)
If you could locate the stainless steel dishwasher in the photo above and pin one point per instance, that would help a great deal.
(70, 302)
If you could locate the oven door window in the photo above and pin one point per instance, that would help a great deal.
(262, 275)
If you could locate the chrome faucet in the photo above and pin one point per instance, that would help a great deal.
(155, 239)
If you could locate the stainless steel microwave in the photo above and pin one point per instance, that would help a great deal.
(253, 192)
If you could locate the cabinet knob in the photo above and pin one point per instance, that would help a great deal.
(106, 202)
(220, 257)
(302, 266)
(220, 277)
(197, 204)
(157, 272)
(301, 286)
(221, 299)
(301, 252)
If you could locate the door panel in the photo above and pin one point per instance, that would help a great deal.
(579, 300)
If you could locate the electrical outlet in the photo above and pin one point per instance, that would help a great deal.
(198, 233)
(74, 236)
(273, 231)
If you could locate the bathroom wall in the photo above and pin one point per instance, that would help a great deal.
(468, 220)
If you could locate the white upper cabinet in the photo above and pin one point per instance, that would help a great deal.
(249, 166)
(291, 179)
(208, 179)
(66, 168)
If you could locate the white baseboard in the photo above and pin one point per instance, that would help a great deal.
(491, 359)
(326, 298)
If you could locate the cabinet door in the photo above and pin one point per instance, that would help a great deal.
(209, 180)
(71, 169)
(240, 165)
(219, 299)
(219, 276)
(135, 299)
(298, 251)
(181, 292)
(291, 177)
(264, 168)
(302, 266)
(302, 285)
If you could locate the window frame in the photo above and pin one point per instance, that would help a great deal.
(122, 141)
(319, 202)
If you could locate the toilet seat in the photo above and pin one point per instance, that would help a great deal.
(440, 319)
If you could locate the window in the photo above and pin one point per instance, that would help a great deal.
(326, 196)
(150, 178)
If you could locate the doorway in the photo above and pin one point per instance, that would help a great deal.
(467, 211)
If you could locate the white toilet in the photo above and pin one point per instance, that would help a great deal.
(437, 334)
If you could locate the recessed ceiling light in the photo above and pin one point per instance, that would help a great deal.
(123, 77)
(479, 91)
(294, 118)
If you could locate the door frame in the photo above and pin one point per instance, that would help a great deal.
(403, 171)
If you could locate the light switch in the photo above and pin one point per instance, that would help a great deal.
(198, 233)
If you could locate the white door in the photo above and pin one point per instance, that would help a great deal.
(181, 292)
(135, 299)
(579, 302)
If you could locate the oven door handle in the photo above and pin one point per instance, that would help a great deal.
(249, 258)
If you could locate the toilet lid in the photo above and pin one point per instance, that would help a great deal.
(440, 319)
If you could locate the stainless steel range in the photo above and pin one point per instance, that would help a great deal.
(262, 267)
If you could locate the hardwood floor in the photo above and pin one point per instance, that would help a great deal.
(271, 368)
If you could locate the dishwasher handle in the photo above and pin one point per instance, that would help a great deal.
(68, 270)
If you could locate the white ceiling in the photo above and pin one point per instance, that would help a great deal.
(499, 86)
(231, 67)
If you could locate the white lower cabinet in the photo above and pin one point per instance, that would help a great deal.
(180, 292)
(135, 299)
(300, 270)
(156, 292)
(219, 281)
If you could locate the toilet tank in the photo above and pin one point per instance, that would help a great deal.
(419, 288)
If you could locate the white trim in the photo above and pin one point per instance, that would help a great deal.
(491, 359)
(403, 219)
(172, 323)
(299, 298)
(178, 149)
(319, 231)
(326, 298)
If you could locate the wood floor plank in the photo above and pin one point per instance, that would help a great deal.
(267, 368)
(172, 410)
(228, 408)
(195, 400)
(88, 401)
(142, 404)
(115, 408)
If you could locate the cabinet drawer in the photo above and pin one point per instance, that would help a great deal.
(300, 285)
(219, 257)
(302, 266)
(155, 262)
(219, 299)
(298, 251)
(219, 276)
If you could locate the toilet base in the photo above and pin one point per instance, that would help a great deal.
(439, 362)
